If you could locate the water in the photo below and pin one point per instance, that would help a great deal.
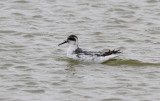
(33, 68)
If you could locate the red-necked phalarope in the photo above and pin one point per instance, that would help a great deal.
(79, 54)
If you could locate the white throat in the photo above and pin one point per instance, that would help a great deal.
(72, 47)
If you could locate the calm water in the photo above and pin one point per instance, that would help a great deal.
(33, 68)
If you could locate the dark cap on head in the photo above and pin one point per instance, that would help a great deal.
(72, 38)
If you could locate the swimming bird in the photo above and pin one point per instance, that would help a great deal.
(76, 53)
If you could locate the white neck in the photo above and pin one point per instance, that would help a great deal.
(72, 47)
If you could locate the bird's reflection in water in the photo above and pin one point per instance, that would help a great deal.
(71, 66)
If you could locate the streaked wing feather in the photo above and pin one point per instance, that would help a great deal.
(111, 52)
(83, 52)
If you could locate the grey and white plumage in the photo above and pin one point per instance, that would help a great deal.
(79, 54)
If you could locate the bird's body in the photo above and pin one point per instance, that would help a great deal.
(76, 53)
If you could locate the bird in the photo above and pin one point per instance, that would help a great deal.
(79, 54)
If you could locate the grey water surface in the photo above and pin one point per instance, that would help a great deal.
(34, 68)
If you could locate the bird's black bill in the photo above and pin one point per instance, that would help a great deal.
(62, 43)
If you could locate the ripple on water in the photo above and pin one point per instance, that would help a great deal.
(129, 62)
(130, 40)
(56, 83)
(112, 99)
(21, 1)
(7, 31)
(21, 67)
(36, 91)
(66, 91)
(6, 66)
(31, 83)
(28, 36)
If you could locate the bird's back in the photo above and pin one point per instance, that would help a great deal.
(84, 52)
(91, 56)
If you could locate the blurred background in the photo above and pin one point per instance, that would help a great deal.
(34, 68)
